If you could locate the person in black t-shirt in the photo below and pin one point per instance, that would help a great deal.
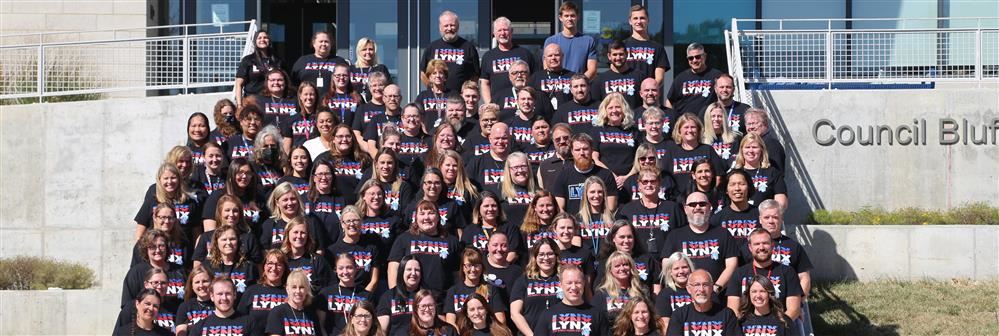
(374, 106)
(472, 283)
(787, 288)
(687, 149)
(620, 284)
(197, 300)
(294, 316)
(363, 249)
(317, 67)
(762, 313)
(497, 61)
(362, 321)
(573, 315)
(435, 247)
(787, 251)
(767, 181)
(476, 319)
(568, 186)
(521, 122)
(486, 171)
(719, 135)
(224, 321)
(619, 78)
(179, 248)
(155, 248)
(299, 246)
(251, 70)
(710, 248)
(638, 318)
(461, 56)
(171, 188)
(579, 111)
(652, 215)
(511, 99)
(703, 314)
(615, 137)
(549, 169)
(298, 129)
(652, 132)
(366, 67)
(334, 301)
(197, 138)
(226, 125)
(157, 280)
(341, 97)
(426, 317)
(739, 218)
(553, 79)
(258, 300)
(433, 101)
(652, 98)
(395, 307)
(227, 258)
(691, 90)
(643, 53)
(734, 110)
(538, 289)
(758, 123)
(276, 99)
(147, 307)
(673, 295)
(371, 132)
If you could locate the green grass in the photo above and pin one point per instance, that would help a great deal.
(36, 273)
(957, 307)
(973, 213)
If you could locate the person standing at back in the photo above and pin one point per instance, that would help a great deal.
(579, 51)
(496, 62)
(648, 56)
(691, 91)
(461, 57)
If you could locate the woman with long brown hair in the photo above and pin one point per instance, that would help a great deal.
(472, 283)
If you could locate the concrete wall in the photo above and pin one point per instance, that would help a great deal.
(850, 177)
(29, 16)
(903, 252)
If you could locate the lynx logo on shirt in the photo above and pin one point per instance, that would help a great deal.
(239, 151)
(636, 195)
(307, 269)
(480, 241)
(392, 198)
(699, 87)
(710, 328)
(301, 188)
(572, 323)
(459, 301)
(594, 229)
(449, 55)
(651, 221)
(702, 249)
(759, 330)
(362, 259)
(760, 182)
(211, 187)
(371, 114)
(492, 176)
(534, 238)
(401, 306)
(661, 152)
(615, 304)
(251, 213)
(378, 228)
(277, 235)
(685, 165)
(327, 207)
(774, 279)
(739, 228)
(538, 157)
(195, 316)
(183, 212)
(734, 122)
(342, 103)
(165, 320)
(622, 85)
(341, 303)
(724, 150)
(238, 279)
(641, 54)
(620, 138)
(302, 128)
(543, 288)
(175, 287)
(573, 261)
(643, 270)
(176, 256)
(522, 197)
(359, 77)
(503, 64)
(576, 191)
(267, 301)
(557, 84)
(480, 149)
(268, 178)
(434, 103)
(429, 247)
(781, 255)
(509, 103)
(198, 157)
(349, 169)
(679, 300)
(299, 327)
(582, 117)
(321, 65)
(280, 109)
(412, 148)
(522, 134)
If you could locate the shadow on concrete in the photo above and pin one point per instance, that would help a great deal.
(831, 315)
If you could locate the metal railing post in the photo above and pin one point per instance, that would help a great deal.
(40, 86)
(979, 69)
(186, 61)
(829, 58)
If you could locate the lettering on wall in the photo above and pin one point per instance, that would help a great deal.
(948, 132)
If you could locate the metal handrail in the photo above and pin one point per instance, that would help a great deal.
(192, 25)
(830, 21)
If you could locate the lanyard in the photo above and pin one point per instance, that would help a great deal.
(770, 271)
(350, 304)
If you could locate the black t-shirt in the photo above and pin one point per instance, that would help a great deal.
(707, 250)
(399, 309)
(359, 77)
(550, 169)
(258, 301)
(239, 147)
(768, 183)
(565, 320)
(315, 70)
(187, 212)
(210, 183)
(515, 208)
(669, 300)
(192, 311)
(365, 114)
(272, 232)
(738, 224)
(373, 129)
(610, 304)
(775, 150)
(726, 151)
(616, 146)
(507, 101)
(578, 115)
(652, 225)
(502, 278)
(285, 320)
(438, 255)
(131, 329)
(433, 107)
(299, 128)
(411, 148)
(455, 298)
(267, 177)
(789, 253)
(134, 279)
(451, 214)
(347, 173)
(253, 70)
(768, 325)
(344, 106)
(554, 84)
(326, 210)
(366, 255)
(178, 253)
(242, 274)
(315, 267)
(537, 295)
(475, 145)
(386, 227)
(277, 110)
(520, 130)
(301, 185)
(336, 301)
(478, 237)
(692, 92)
(254, 207)
(679, 162)
(646, 56)
(582, 257)
(569, 185)
(736, 119)
(538, 154)
(461, 56)
(784, 279)
(719, 320)
(247, 245)
(593, 232)
(164, 320)
(486, 172)
(496, 65)
(626, 83)
(234, 325)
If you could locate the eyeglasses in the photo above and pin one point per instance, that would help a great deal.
(701, 284)
(324, 174)
(363, 316)
(646, 159)
(157, 283)
(647, 181)
(471, 266)
(157, 247)
(698, 204)
(163, 218)
(695, 57)
(518, 73)
(352, 221)
(546, 254)
(426, 307)
(340, 76)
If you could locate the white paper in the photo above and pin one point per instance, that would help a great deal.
(591, 22)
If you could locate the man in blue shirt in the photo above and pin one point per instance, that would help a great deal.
(579, 51)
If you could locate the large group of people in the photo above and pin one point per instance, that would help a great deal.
(515, 195)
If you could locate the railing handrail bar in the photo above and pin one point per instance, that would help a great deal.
(869, 19)
(841, 30)
(127, 29)
(134, 39)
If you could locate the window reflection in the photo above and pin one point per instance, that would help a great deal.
(468, 19)
(376, 19)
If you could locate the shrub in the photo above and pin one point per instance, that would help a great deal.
(36, 273)
(972, 213)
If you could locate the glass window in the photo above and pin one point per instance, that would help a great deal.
(793, 9)
(705, 21)
(376, 19)
(605, 20)
(216, 11)
(468, 18)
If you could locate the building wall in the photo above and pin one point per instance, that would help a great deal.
(29, 16)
